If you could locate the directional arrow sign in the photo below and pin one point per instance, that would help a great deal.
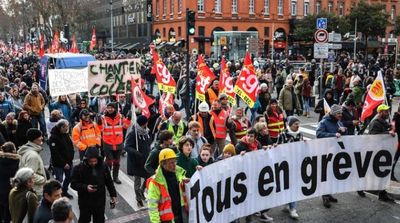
(321, 36)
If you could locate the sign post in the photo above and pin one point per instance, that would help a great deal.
(321, 49)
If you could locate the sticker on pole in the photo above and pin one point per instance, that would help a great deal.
(321, 50)
(321, 36)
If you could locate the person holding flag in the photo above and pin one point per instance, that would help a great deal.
(322, 104)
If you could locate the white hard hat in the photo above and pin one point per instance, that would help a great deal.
(203, 107)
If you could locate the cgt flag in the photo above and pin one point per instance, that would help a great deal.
(375, 96)
(55, 47)
(140, 99)
(41, 45)
(247, 84)
(164, 79)
(226, 82)
(93, 41)
(204, 78)
(74, 46)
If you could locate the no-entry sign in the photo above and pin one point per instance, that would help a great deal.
(321, 36)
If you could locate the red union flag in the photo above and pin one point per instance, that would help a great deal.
(74, 47)
(204, 78)
(140, 99)
(226, 83)
(56, 43)
(93, 41)
(41, 45)
(375, 97)
(247, 84)
(164, 78)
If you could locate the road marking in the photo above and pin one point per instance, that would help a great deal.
(126, 190)
(308, 131)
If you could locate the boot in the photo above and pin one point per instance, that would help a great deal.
(115, 175)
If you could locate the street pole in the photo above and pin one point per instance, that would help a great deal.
(355, 41)
(187, 68)
(395, 58)
(112, 26)
(273, 41)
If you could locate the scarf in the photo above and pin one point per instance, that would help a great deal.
(252, 146)
(294, 134)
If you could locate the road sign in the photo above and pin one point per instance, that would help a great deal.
(321, 50)
(335, 37)
(322, 23)
(335, 46)
(331, 57)
(321, 36)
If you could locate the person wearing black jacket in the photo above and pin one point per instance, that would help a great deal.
(51, 192)
(137, 155)
(90, 179)
(62, 154)
(348, 119)
(328, 96)
(23, 125)
(9, 162)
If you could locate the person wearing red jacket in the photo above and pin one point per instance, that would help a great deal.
(112, 125)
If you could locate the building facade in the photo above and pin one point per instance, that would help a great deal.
(268, 17)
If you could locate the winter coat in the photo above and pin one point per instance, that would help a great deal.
(347, 120)
(43, 212)
(34, 104)
(83, 175)
(328, 127)
(320, 105)
(137, 154)
(198, 143)
(30, 157)
(152, 161)
(9, 164)
(264, 140)
(287, 137)
(10, 131)
(22, 202)
(187, 163)
(202, 163)
(61, 148)
(5, 108)
(287, 99)
(65, 108)
(378, 126)
(22, 127)
(243, 145)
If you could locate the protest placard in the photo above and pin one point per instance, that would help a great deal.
(242, 185)
(112, 77)
(68, 81)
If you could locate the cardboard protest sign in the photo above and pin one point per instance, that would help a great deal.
(112, 77)
(242, 185)
(68, 81)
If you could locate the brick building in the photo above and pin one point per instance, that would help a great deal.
(264, 16)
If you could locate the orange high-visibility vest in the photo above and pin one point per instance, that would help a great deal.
(165, 202)
(275, 125)
(113, 130)
(220, 127)
(240, 130)
(212, 95)
(85, 136)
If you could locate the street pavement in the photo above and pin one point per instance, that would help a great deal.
(351, 207)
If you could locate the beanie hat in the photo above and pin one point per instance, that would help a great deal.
(335, 109)
(83, 112)
(141, 120)
(263, 85)
(230, 148)
(92, 152)
(33, 134)
(291, 120)
(112, 104)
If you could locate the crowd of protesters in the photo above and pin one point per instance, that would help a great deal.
(164, 149)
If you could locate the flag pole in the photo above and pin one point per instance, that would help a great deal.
(133, 110)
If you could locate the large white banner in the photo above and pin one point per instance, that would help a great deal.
(242, 185)
(112, 77)
(68, 81)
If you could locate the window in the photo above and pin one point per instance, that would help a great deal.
(266, 7)
(235, 28)
(172, 8)
(318, 7)
(251, 6)
(201, 30)
(163, 32)
(180, 6)
(306, 8)
(234, 7)
(330, 6)
(293, 8)
(200, 5)
(280, 7)
(266, 31)
(164, 7)
(393, 12)
(217, 6)
(341, 9)
(179, 31)
(157, 7)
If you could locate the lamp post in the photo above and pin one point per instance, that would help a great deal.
(112, 25)
(355, 41)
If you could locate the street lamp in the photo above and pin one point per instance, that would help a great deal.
(112, 25)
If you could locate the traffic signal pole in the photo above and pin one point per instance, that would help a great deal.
(187, 67)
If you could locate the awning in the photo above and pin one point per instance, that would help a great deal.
(121, 47)
(131, 46)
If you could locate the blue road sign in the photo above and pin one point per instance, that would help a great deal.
(322, 23)
(331, 57)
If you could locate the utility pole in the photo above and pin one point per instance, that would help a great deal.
(112, 25)
(190, 30)
(355, 41)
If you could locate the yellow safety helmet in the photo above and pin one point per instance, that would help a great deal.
(166, 154)
(382, 107)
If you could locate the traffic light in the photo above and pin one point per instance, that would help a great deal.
(191, 18)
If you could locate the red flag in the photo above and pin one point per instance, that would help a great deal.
(164, 78)
(41, 45)
(93, 41)
(247, 83)
(375, 97)
(74, 47)
(226, 82)
(204, 78)
(56, 43)
(165, 99)
(140, 99)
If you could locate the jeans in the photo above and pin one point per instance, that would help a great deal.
(139, 188)
(35, 119)
(306, 103)
(86, 214)
(60, 172)
(219, 145)
(292, 205)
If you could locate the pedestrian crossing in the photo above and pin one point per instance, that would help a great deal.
(127, 209)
